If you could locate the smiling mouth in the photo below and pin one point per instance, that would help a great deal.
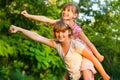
(65, 16)
(60, 38)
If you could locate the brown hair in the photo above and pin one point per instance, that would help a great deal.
(62, 26)
(72, 7)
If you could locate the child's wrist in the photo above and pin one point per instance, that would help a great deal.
(29, 16)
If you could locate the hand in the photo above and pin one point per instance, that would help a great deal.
(24, 13)
(13, 29)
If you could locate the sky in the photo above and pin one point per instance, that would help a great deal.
(94, 7)
(76, 0)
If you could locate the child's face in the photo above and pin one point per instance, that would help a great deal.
(68, 14)
(62, 35)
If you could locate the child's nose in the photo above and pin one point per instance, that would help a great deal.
(60, 33)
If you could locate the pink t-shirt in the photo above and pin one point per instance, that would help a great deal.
(86, 64)
(76, 29)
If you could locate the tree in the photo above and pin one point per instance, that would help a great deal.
(102, 27)
(22, 58)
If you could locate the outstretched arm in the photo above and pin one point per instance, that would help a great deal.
(86, 53)
(32, 35)
(38, 18)
(91, 46)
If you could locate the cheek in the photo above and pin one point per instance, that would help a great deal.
(55, 34)
(66, 33)
(62, 13)
(75, 15)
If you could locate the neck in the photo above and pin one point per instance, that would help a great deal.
(65, 46)
(71, 23)
(66, 43)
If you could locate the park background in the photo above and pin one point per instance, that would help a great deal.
(24, 59)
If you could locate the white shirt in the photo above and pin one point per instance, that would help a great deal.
(73, 58)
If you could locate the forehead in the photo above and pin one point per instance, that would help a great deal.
(69, 7)
(60, 28)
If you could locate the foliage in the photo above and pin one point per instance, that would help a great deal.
(102, 27)
(24, 59)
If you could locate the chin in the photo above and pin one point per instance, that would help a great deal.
(61, 40)
(65, 18)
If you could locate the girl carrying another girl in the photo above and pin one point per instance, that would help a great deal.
(69, 14)
(69, 49)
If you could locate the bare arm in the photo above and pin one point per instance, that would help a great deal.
(86, 53)
(38, 18)
(91, 46)
(32, 35)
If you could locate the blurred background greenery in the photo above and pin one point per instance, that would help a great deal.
(24, 59)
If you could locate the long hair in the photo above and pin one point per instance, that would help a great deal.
(62, 26)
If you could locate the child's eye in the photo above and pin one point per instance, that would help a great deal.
(68, 10)
(57, 31)
(63, 10)
(63, 31)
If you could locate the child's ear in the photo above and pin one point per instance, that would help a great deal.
(75, 15)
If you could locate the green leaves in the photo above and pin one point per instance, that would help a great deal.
(39, 62)
(5, 49)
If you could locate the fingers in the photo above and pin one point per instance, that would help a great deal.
(24, 12)
(13, 29)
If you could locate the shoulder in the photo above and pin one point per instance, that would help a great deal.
(78, 45)
(77, 27)
(54, 21)
(76, 41)
(56, 43)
